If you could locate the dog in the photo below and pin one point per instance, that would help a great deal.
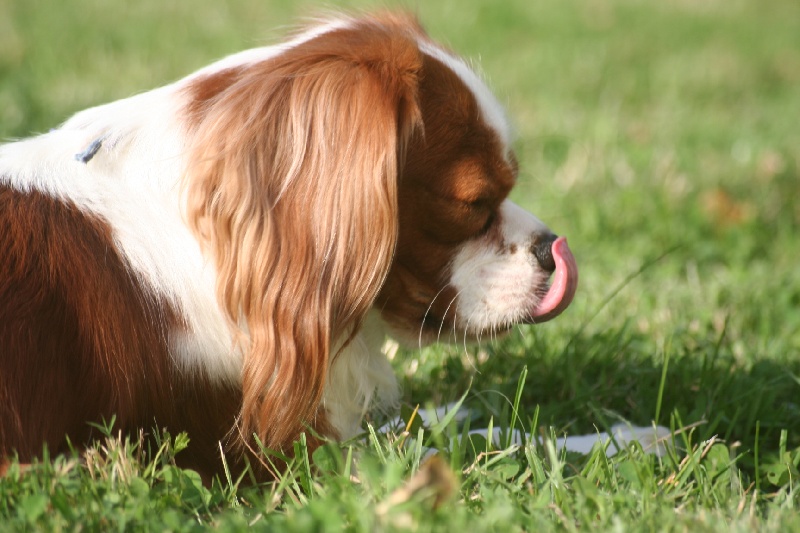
(226, 254)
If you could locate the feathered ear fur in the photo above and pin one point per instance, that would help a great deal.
(293, 190)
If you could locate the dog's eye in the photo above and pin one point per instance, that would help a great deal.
(486, 209)
(480, 203)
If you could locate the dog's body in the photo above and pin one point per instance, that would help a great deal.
(225, 255)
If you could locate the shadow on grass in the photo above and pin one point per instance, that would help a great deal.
(601, 378)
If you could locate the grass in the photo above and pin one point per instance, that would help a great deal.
(661, 138)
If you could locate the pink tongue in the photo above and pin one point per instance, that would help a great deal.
(565, 282)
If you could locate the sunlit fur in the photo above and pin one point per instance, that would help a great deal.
(225, 255)
(303, 233)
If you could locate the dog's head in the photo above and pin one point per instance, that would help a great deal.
(468, 260)
(359, 166)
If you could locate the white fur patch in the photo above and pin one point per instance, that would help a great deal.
(361, 380)
(499, 283)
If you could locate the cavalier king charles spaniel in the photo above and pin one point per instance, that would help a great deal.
(226, 254)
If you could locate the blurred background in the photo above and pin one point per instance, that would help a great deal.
(662, 138)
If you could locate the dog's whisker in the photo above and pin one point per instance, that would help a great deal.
(447, 309)
(425, 316)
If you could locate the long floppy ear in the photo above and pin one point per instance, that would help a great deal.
(293, 189)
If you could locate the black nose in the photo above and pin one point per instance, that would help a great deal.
(543, 251)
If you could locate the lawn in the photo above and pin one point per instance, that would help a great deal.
(662, 138)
